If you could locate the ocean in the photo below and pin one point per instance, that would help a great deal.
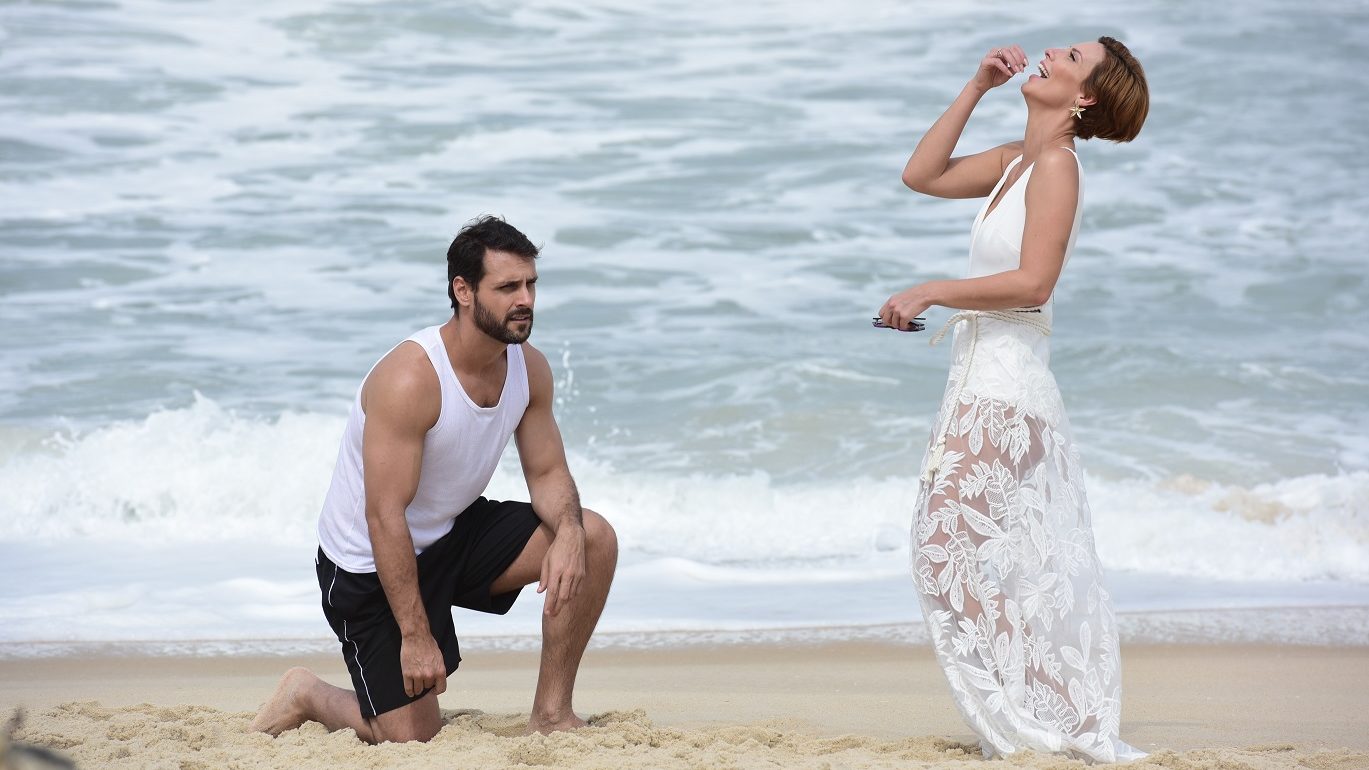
(218, 216)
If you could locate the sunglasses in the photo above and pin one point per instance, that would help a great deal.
(914, 325)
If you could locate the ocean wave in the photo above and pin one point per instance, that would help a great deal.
(180, 475)
(205, 473)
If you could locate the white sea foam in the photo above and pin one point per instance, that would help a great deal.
(170, 495)
(204, 474)
(186, 475)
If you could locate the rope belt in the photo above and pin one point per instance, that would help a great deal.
(1022, 316)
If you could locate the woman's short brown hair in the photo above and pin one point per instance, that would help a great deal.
(1119, 85)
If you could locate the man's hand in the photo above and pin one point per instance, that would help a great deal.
(563, 568)
(421, 663)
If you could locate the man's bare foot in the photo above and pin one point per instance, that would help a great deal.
(283, 710)
(551, 725)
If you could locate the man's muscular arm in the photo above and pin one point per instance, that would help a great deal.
(402, 399)
(553, 493)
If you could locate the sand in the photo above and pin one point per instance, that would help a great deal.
(829, 706)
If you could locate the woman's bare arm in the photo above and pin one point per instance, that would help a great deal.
(1052, 196)
(931, 169)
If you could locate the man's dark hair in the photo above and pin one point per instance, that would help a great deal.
(466, 255)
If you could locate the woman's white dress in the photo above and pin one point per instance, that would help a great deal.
(1004, 560)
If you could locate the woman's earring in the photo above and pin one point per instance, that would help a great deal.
(1076, 111)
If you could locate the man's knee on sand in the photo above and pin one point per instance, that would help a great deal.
(419, 721)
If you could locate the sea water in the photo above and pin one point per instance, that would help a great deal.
(217, 216)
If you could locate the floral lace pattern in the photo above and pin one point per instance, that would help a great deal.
(1004, 560)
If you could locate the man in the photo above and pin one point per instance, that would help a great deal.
(405, 535)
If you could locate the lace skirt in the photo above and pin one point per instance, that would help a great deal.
(1004, 560)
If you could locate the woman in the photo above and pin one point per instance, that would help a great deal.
(1003, 551)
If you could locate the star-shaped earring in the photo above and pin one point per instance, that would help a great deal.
(1077, 112)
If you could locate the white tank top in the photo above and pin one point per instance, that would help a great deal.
(460, 454)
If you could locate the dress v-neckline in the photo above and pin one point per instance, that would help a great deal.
(1000, 193)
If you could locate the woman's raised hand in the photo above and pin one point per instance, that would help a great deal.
(999, 65)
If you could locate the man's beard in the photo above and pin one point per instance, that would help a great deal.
(486, 322)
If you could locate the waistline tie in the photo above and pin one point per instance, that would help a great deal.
(1022, 316)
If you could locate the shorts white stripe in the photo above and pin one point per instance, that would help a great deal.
(356, 655)
(356, 648)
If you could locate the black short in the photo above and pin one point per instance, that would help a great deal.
(455, 571)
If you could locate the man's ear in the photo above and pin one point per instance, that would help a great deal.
(462, 291)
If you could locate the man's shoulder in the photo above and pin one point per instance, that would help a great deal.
(405, 375)
(539, 373)
(534, 357)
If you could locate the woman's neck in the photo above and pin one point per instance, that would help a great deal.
(1046, 130)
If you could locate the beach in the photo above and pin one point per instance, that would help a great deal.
(844, 705)
(221, 215)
